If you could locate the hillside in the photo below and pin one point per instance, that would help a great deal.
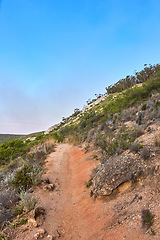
(8, 137)
(107, 187)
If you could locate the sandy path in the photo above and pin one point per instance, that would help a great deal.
(70, 212)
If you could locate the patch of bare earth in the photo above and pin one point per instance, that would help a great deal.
(72, 214)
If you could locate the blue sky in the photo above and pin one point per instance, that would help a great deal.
(56, 54)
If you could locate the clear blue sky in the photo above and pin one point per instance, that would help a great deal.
(55, 54)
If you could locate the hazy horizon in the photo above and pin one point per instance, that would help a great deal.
(55, 55)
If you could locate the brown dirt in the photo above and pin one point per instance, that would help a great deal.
(70, 211)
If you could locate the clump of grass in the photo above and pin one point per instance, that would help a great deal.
(18, 210)
(119, 151)
(87, 148)
(88, 183)
(3, 237)
(135, 147)
(144, 107)
(19, 222)
(29, 202)
(157, 141)
(147, 219)
(49, 145)
(138, 132)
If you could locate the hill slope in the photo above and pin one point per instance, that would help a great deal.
(8, 137)
(111, 187)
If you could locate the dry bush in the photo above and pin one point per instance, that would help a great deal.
(138, 131)
(36, 174)
(8, 200)
(49, 145)
(127, 114)
(27, 200)
(119, 151)
(135, 147)
(90, 135)
(145, 153)
(157, 140)
(147, 219)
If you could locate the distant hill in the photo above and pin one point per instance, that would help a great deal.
(8, 137)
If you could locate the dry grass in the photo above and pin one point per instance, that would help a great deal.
(49, 145)
(145, 153)
(157, 140)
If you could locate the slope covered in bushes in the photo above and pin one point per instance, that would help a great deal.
(111, 110)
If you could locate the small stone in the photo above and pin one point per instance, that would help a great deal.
(39, 211)
(50, 186)
(33, 222)
(37, 236)
(41, 231)
(39, 215)
(49, 237)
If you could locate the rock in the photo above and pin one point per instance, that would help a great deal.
(114, 172)
(33, 222)
(47, 181)
(41, 230)
(39, 234)
(39, 215)
(149, 129)
(49, 187)
(49, 237)
(39, 211)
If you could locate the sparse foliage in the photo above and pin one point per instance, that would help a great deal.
(27, 200)
(147, 219)
(157, 141)
(145, 153)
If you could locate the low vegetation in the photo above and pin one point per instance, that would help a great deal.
(21, 163)
(19, 222)
(8, 137)
(147, 219)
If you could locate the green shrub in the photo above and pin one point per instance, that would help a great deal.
(157, 105)
(132, 95)
(39, 138)
(18, 210)
(11, 150)
(88, 183)
(57, 136)
(111, 141)
(19, 222)
(22, 178)
(28, 175)
(144, 107)
(3, 237)
(147, 218)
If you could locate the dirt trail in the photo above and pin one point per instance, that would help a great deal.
(69, 209)
(70, 212)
